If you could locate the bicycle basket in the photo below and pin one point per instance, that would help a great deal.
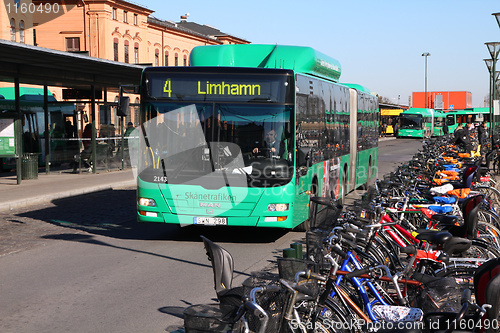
(314, 250)
(327, 211)
(441, 295)
(271, 302)
(288, 267)
(205, 318)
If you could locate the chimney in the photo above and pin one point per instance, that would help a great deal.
(184, 17)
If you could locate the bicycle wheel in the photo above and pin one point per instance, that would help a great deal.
(489, 233)
(488, 216)
(481, 249)
(334, 319)
(492, 196)
(457, 270)
(331, 319)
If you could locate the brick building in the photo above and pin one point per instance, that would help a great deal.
(115, 30)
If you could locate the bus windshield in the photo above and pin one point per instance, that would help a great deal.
(241, 143)
(411, 121)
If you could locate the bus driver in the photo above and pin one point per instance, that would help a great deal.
(272, 147)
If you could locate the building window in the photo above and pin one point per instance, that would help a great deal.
(136, 53)
(157, 58)
(12, 30)
(176, 60)
(114, 14)
(115, 49)
(72, 43)
(135, 19)
(125, 16)
(166, 59)
(34, 37)
(126, 51)
(21, 31)
(185, 60)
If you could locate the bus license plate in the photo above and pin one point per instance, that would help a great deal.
(210, 220)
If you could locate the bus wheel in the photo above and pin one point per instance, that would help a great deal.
(306, 225)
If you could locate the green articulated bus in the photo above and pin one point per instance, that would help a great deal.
(246, 134)
(421, 123)
(473, 115)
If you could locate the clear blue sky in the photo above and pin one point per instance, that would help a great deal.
(378, 43)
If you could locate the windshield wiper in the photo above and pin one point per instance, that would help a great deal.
(242, 170)
(183, 164)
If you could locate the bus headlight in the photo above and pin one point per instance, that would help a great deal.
(274, 218)
(147, 202)
(277, 207)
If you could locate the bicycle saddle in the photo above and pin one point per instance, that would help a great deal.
(434, 237)
(445, 219)
(456, 245)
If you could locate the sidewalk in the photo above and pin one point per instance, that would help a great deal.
(55, 186)
(387, 138)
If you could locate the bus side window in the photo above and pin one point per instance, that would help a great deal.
(450, 120)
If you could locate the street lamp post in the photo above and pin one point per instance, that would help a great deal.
(493, 49)
(492, 75)
(497, 16)
(489, 65)
(426, 54)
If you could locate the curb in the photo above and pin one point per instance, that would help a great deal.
(23, 203)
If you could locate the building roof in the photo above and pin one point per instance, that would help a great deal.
(174, 26)
(205, 30)
(195, 29)
(202, 29)
(37, 65)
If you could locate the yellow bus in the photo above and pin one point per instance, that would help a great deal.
(389, 117)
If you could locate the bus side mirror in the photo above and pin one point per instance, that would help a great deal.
(304, 157)
(302, 171)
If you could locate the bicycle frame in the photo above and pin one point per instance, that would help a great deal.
(358, 283)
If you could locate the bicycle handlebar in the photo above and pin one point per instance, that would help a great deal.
(410, 249)
(339, 251)
(359, 272)
(309, 275)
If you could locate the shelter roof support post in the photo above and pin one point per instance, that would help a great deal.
(122, 127)
(94, 131)
(106, 106)
(18, 131)
(46, 129)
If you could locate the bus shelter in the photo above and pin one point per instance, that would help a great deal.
(86, 81)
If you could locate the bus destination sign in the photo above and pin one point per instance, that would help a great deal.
(213, 87)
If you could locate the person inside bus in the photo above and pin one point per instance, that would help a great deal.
(272, 147)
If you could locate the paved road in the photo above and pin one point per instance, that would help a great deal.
(82, 264)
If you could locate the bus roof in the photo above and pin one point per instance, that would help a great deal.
(301, 59)
(390, 112)
(357, 87)
(471, 110)
(418, 111)
(25, 93)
